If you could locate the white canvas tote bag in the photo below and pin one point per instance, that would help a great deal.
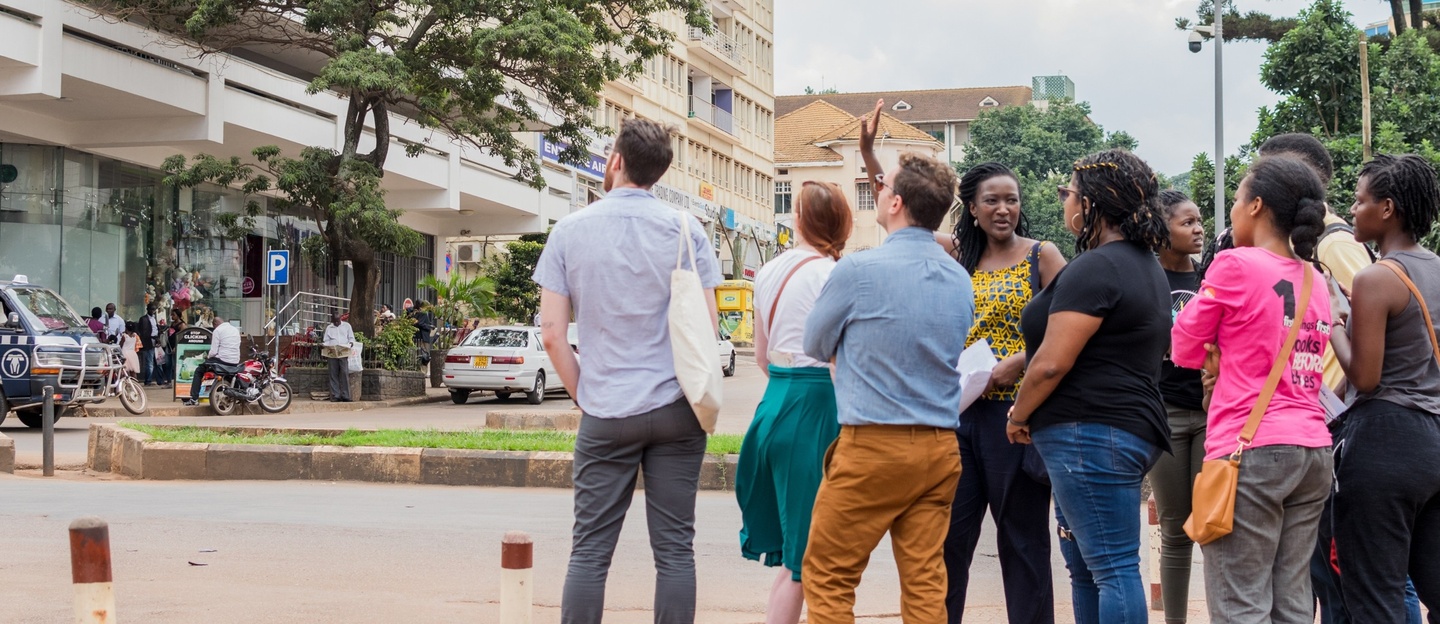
(692, 335)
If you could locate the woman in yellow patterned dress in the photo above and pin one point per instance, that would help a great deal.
(1007, 269)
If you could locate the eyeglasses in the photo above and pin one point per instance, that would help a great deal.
(1065, 192)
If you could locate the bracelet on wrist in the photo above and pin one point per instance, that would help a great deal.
(1020, 423)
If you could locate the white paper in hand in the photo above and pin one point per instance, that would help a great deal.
(975, 366)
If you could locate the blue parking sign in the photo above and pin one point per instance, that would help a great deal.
(277, 268)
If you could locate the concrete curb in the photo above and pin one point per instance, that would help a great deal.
(299, 406)
(127, 452)
(7, 454)
(555, 420)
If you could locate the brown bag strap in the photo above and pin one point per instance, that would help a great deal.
(1277, 370)
(774, 305)
(1424, 310)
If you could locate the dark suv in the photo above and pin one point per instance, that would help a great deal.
(43, 342)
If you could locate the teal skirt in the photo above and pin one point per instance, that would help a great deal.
(781, 465)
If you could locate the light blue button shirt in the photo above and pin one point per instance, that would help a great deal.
(895, 319)
(613, 260)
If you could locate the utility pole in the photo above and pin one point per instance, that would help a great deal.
(1365, 98)
(1219, 119)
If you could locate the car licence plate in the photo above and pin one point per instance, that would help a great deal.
(481, 361)
(86, 393)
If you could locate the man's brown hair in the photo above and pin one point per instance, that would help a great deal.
(645, 147)
(927, 187)
(824, 217)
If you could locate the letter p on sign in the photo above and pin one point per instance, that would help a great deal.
(277, 268)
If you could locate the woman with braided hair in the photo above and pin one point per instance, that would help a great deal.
(1260, 322)
(1387, 470)
(1007, 270)
(1091, 402)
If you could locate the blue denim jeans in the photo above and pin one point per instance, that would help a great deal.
(1095, 471)
(1084, 594)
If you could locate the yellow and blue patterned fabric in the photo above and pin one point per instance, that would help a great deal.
(999, 298)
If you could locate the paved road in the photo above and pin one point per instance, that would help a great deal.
(742, 394)
(349, 552)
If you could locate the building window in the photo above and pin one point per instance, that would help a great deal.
(783, 198)
(864, 199)
(901, 106)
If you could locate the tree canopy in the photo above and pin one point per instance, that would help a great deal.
(476, 71)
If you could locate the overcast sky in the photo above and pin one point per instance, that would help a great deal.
(1125, 56)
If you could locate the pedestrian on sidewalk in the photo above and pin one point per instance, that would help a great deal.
(1341, 258)
(1387, 471)
(894, 321)
(782, 456)
(96, 323)
(609, 265)
(1174, 473)
(224, 354)
(114, 326)
(339, 342)
(1095, 338)
(1008, 269)
(1244, 312)
(148, 327)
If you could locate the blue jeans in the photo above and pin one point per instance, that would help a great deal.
(1095, 472)
(1084, 594)
(148, 372)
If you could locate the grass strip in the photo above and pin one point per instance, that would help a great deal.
(485, 440)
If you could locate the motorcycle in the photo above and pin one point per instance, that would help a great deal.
(253, 381)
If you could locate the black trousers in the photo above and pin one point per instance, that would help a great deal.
(1387, 510)
(205, 367)
(340, 378)
(991, 477)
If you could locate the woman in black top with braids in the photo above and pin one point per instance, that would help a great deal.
(1096, 336)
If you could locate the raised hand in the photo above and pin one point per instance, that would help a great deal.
(869, 126)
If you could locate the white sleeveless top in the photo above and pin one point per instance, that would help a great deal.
(787, 334)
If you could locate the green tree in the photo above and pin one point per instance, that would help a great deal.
(477, 72)
(517, 297)
(1202, 185)
(1250, 26)
(459, 298)
(1316, 66)
(826, 91)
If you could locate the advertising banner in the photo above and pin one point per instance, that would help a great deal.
(192, 346)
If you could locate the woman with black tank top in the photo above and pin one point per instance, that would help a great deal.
(1174, 473)
(1387, 452)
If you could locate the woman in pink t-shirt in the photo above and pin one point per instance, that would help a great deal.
(1260, 572)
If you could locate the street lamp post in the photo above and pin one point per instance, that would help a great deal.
(1217, 35)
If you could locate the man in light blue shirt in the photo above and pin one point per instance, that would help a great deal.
(894, 320)
(610, 264)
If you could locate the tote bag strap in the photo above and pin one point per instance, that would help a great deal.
(775, 305)
(684, 244)
(1277, 370)
(1424, 310)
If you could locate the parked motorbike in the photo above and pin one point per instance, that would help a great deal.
(253, 381)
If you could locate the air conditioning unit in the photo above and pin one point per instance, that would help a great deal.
(467, 252)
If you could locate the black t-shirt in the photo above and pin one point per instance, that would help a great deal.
(1181, 386)
(1116, 378)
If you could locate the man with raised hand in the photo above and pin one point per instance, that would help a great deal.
(894, 320)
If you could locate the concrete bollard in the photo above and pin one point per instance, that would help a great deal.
(1157, 597)
(90, 571)
(517, 575)
(47, 433)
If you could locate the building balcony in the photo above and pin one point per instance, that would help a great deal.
(719, 48)
(711, 114)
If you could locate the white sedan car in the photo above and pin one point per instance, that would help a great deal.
(723, 348)
(504, 360)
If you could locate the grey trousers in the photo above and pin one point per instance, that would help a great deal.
(668, 445)
(340, 378)
(1260, 574)
(1172, 478)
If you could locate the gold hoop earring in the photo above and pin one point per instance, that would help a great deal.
(1072, 222)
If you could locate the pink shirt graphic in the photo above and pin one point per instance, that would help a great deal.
(1244, 306)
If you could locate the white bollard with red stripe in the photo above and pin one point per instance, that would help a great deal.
(90, 571)
(517, 576)
(1157, 598)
